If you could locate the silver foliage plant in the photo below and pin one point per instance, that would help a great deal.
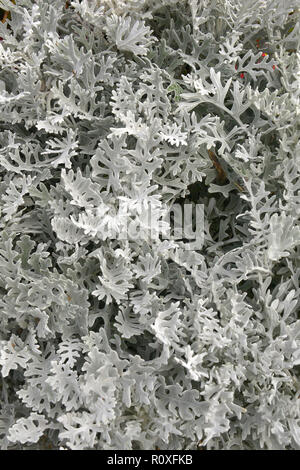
(111, 343)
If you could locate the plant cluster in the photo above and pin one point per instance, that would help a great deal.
(110, 343)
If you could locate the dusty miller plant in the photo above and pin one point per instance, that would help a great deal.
(108, 343)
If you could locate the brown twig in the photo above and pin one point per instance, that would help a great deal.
(5, 16)
(6, 13)
(221, 173)
(221, 177)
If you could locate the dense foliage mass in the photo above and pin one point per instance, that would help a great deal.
(111, 343)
